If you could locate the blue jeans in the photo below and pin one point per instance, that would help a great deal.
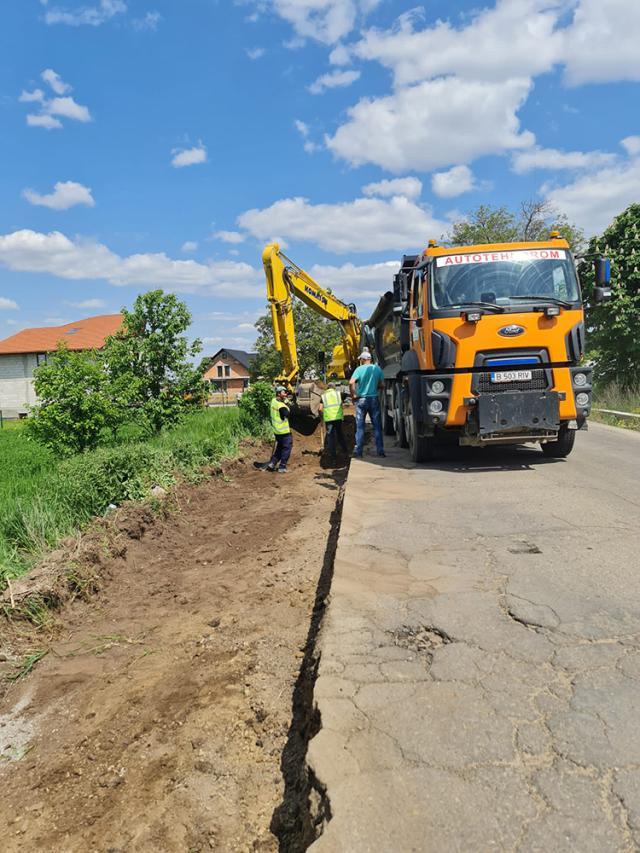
(372, 406)
(282, 450)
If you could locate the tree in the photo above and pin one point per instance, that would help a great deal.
(533, 221)
(148, 360)
(76, 406)
(314, 334)
(612, 328)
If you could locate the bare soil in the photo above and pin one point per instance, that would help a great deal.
(170, 702)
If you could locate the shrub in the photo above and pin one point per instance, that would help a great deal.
(254, 406)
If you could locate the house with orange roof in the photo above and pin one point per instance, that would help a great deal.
(21, 353)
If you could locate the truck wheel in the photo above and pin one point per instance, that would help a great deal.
(420, 448)
(561, 448)
(388, 427)
(398, 416)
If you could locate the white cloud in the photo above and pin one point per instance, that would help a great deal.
(189, 156)
(407, 187)
(434, 124)
(81, 259)
(8, 304)
(67, 108)
(326, 21)
(601, 45)
(149, 22)
(245, 326)
(230, 236)
(189, 246)
(631, 145)
(91, 15)
(363, 285)
(65, 194)
(255, 52)
(303, 130)
(48, 122)
(61, 105)
(593, 200)
(363, 225)
(551, 158)
(89, 304)
(515, 38)
(333, 80)
(454, 182)
(55, 81)
(340, 55)
(37, 96)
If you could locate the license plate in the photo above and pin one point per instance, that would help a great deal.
(511, 376)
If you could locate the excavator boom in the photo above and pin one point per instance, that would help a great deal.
(285, 279)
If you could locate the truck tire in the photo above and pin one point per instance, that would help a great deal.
(398, 416)
(388, 427)
(421, 449)
(561, 448)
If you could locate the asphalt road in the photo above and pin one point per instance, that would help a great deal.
(479, 684)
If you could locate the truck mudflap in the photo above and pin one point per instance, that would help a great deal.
(519, 412)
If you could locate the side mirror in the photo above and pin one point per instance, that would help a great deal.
(602, 290)
(601, 294)
(602, 268)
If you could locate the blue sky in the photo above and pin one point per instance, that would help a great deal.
(148, 143)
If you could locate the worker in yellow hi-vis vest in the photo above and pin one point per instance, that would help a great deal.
(279, 414)
(333, 416)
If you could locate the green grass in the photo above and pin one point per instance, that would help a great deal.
(620, 400)
(43, 499)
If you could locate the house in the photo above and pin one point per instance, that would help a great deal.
(21, 353)
(228, 374)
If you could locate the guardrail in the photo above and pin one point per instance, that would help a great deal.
(617, 414)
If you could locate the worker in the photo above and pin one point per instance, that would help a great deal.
(279, 413)
(333, 416)
(367, 380)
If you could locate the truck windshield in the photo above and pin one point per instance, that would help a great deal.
(504, 278)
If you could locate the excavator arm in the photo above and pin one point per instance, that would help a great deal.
(284, 281)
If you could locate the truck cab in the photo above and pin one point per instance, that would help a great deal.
(485, 344)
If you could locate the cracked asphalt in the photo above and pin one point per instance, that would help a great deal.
(479, 679)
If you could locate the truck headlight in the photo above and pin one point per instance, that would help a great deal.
(580, 379)
(582, 399)
(435, 407)
(437, 387)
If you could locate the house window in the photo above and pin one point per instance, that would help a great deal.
(41, 358)
(227, 370)
(219, 370)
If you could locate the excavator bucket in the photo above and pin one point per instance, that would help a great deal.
(308, 398)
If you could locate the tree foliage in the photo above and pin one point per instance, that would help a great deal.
(148, 360)
(533, 221)
(76, 405)
(144, 378)
(254, 406)
(314, 334)
(613, 327)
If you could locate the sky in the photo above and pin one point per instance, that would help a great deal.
(162, 143)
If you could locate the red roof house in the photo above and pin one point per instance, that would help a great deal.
(21, 353)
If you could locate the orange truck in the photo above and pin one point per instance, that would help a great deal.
(484, 345)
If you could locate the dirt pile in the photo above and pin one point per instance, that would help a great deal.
(158, 718)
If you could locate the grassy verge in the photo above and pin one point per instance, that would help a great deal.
(618, 399)
(43, 499)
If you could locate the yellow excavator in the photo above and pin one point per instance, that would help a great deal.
(284, 281)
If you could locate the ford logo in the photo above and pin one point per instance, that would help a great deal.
(510, 331)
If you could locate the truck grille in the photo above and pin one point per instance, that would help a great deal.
(538, 382)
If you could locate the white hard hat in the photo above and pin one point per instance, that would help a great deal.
(365, 355)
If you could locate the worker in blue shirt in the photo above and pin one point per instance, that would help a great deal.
(367, 380)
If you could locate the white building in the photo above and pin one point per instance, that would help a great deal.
(23, 352)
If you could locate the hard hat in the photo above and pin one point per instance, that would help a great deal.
(365, 354)
(280, 389)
